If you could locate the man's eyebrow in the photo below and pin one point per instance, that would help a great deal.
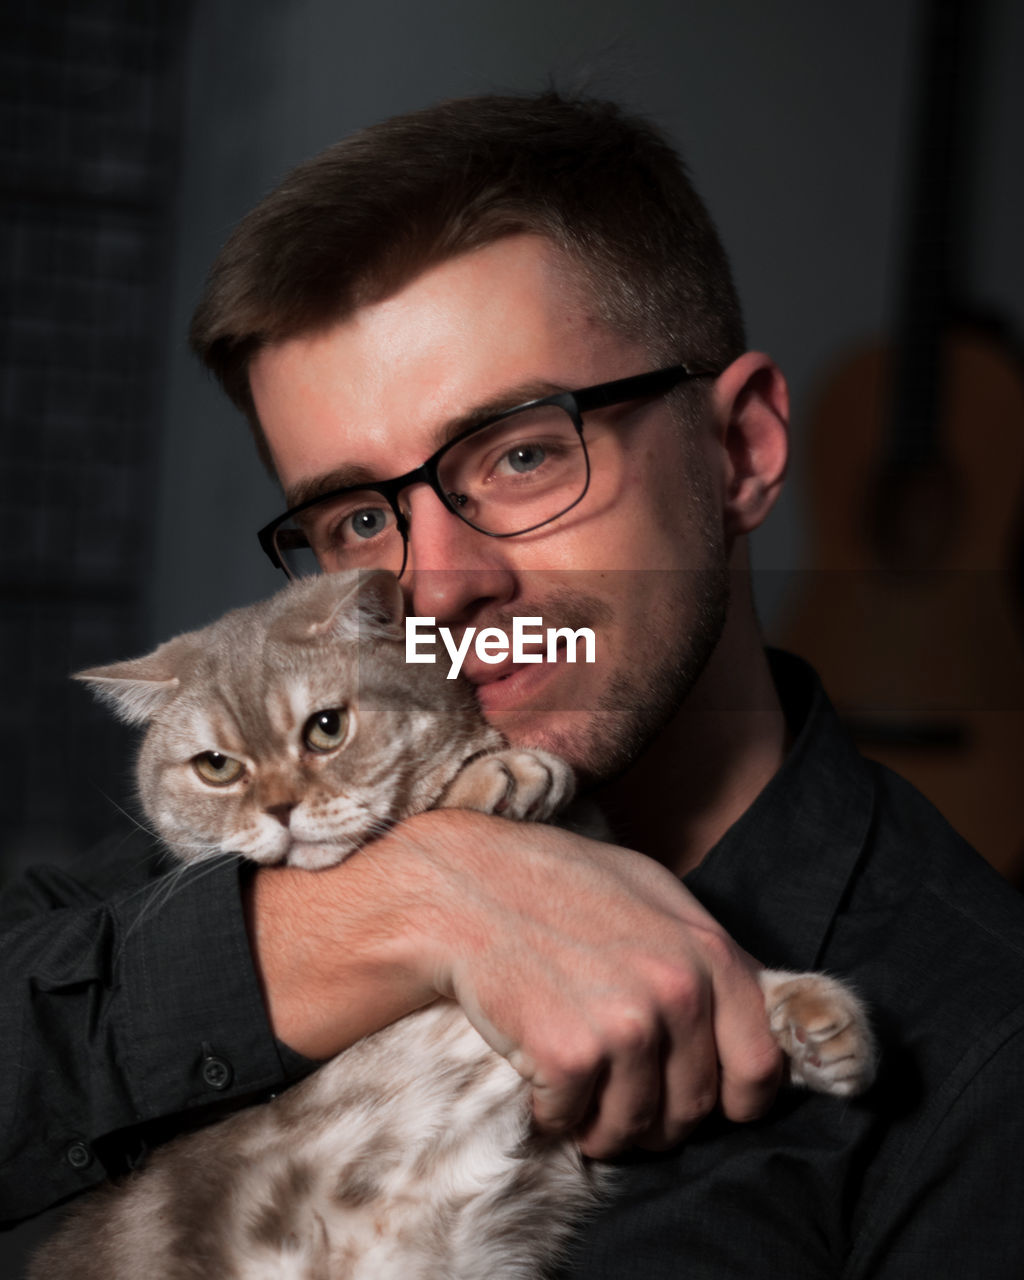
(343, 477)
(510, 398)
(351, 475)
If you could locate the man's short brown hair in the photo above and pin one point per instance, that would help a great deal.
(358, 221)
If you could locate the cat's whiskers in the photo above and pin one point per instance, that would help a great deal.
(137, 823)
(155, 893)
(159, 893)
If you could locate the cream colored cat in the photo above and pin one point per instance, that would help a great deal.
(293, 731)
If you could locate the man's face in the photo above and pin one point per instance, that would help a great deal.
(640, 560)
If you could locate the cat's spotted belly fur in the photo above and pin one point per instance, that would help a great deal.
(406, 1182)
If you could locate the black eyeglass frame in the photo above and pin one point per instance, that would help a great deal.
(575, 403)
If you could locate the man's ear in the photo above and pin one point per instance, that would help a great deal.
(751, 408)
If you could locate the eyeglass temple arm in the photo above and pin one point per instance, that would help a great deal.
(642, 384)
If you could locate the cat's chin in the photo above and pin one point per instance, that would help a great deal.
(313, 857)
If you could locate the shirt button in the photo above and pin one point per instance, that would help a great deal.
(216, 1072)
(78, 1155)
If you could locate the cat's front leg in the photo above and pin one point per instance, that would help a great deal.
(528, 786)
(823, 1029)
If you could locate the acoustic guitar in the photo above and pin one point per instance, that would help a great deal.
(913, 609)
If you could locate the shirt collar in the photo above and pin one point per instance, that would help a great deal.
(777, 877)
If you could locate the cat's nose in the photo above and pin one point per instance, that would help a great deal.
(282, 812)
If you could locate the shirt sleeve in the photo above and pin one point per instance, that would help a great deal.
(123, 1016)
(952, 1203)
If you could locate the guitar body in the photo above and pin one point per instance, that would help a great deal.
(913, 610)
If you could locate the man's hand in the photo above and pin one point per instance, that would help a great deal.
(590, 967)
(604, 982)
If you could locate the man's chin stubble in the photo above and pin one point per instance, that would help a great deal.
(603, 741)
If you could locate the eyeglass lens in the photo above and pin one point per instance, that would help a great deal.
(513, 476)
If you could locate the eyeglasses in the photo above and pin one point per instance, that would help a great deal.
(506, 476)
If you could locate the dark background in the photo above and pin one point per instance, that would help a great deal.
(136, 132)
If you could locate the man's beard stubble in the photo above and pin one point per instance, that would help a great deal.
(645, 690)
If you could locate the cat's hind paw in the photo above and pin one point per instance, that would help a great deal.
(525, 785)
(823, 1029)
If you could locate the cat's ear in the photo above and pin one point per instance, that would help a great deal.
(380, 601)
(137, 688)
(340, 604)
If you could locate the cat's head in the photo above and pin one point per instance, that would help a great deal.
(292, 730)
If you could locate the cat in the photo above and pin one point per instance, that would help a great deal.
(292, 732)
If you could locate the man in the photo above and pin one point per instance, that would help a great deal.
(395, 299)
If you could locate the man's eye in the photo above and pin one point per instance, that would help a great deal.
(525, 457)
(368, 522)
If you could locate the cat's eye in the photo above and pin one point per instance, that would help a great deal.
(216, 769)
(326, 730)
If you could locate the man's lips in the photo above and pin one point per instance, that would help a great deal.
(482, 673)
(514, 686)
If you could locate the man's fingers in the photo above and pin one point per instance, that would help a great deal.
(653, 1073)
(750, 1059)
(627, 1100)
(648, 1071)
(689, 1089)
(563, 1100)
(609, 1091)
(750, 1078)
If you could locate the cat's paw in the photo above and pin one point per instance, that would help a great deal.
(823, 1029)
(528, 786)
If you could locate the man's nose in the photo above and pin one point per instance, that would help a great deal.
(451, 570)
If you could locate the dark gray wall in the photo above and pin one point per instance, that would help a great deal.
(794, 117)
(89, 114)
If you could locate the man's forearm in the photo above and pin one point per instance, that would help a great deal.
(589, 966)
(332, 947)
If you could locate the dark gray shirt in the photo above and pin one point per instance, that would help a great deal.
(840, 865)
(130, 1010)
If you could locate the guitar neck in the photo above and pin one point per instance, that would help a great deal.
(935, 231)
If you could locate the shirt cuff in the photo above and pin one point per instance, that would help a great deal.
(296, 1066)
(194, 1029)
